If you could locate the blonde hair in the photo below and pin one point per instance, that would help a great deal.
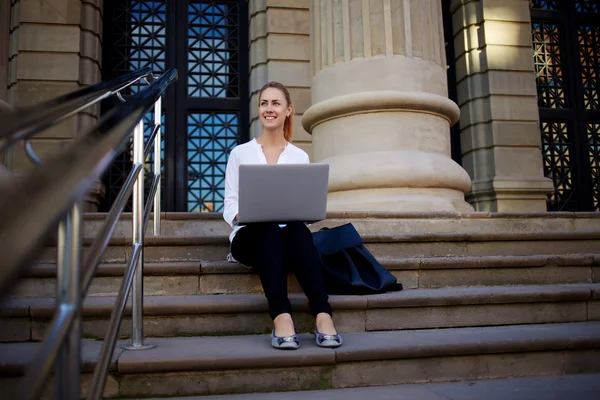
(288, 125)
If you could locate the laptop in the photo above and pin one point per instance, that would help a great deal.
(282, 193)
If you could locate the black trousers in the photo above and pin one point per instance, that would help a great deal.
(274, 251)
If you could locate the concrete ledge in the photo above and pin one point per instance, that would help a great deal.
(468, 341)
(391, 264)
(580, 387)
(380, 238)
(15, 357)
(251, 303)
(194, 354)
(117, 270)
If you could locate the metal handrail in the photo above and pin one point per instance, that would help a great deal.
(22, 124)
(61, 183)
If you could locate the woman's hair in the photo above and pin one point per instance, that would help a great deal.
(288, 125)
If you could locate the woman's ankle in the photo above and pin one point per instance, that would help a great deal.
(325, 324)
(284, 325)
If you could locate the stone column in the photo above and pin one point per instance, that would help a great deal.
(381, 116)
(280, 51)
(55, 48)
(500, 136)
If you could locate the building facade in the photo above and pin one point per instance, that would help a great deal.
(417, 105)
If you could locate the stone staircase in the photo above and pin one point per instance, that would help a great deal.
(487, 296)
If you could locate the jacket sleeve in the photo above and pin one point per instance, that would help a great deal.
(230, 209)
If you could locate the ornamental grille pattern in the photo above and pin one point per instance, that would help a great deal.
(549, 68)
(558, 165)
(211, 137)
(204, 116)
(566, 53)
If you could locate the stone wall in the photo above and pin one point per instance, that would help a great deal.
(280, 51)
(55, 48)
(500, 137)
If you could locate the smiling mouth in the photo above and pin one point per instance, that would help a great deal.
(270, 117)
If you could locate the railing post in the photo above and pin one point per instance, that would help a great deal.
(157, 164)
(68, 291)
(137, 218)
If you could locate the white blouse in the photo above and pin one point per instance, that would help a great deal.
(251, 153)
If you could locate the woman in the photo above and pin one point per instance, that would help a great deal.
(276, 249)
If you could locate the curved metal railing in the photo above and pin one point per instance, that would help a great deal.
(51, 195)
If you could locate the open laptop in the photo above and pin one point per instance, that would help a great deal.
(283, 193)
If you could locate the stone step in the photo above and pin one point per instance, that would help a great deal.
(382, 245)
(200, 224)
(248, 364)
(169, 316)
(218, 277)
(579, 387)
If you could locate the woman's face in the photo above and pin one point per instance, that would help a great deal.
(273, 109)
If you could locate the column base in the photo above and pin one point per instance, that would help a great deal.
(511, 194)
(398, 199)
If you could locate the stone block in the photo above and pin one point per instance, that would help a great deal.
(582, 361)
(348, 321)
(300, 98)
(238, 283)
(90, 46)
(49, 38)
(258, 26)
(91, 20)
(496, 82)
(89, 72)
(503, 276)
(501, 133)
(596, 274)
(57, 67)
(475, 315)
(300, 134)
(9, 387)
(467, 40)
(288, 47)
(184, 253)
(518, 161)
(15, 15)
(281, 20)
(465, 14)
(507, 10)
(498, 58)
(506, 108)
(13, 44)
(408, 279)
(226, 382)
(258, 52)
(13, 69)
(594, 310)
(506, 33)
(257, 6)
(51, 11)
(441, 369)
(290, 73)
(15, 330)
(28, 93)
(259, 75)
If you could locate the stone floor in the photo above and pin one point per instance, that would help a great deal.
(569, 387)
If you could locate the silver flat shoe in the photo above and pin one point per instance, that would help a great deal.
(284, 342)
(328, 341)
